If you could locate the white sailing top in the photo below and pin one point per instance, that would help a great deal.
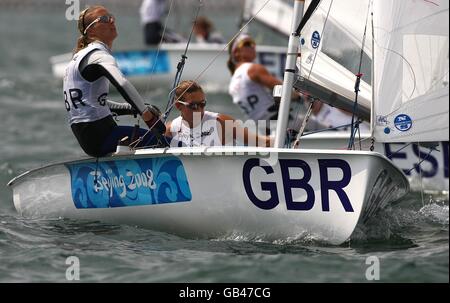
(152, 10)
(330, 116)
(85, 101)
(206, 133)
(86, 84)
(253, 98)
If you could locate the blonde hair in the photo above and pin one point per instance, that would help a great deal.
(187, 87)
(231, 63)
(84, 19)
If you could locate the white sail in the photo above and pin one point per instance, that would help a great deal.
(275, 14)
(333, 60)
(332, 47)
(411, 68)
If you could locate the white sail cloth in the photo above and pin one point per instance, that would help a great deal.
(411, 67)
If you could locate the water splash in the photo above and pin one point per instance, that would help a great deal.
(435, 213)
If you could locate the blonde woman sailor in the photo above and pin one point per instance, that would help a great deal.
(197, 127)
(86, 88)
(251, 84)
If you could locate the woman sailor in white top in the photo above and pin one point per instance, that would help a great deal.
(251, 84)
(197, 127)
(86, 87)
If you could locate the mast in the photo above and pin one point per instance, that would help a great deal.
(372, 70)
(289, 72)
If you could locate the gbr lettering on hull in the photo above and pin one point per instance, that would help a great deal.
(291, 182)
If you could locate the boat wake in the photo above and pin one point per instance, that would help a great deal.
(395, 226)
(435, 213)
(302, 239)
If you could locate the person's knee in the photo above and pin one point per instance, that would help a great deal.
(152, 33)
(152, 39)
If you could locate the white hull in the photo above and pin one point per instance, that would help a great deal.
(216, 195)
(137, 65)
(432, 177)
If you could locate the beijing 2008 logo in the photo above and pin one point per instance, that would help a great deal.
(403, 122)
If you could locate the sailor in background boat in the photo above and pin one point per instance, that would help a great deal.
(335, 118)
(204, 31)
(251, 84)
(197, 127)
(152, 13)
(86, 87)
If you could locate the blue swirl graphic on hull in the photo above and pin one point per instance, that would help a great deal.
(129, 183)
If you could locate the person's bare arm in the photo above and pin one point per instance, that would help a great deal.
(232, 130)
(261, 75)
(168, 133)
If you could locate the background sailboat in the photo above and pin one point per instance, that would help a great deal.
(160, 64)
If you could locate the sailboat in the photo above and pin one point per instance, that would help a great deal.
(334, 45)
(264, 193)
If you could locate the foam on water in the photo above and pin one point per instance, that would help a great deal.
(436, 213)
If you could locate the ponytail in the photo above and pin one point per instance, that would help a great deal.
(82, 42)
(231, 63)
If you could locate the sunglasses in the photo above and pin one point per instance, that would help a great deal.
(194, 106)
(101, 19)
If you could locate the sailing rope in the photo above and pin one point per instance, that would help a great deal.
(147, 89)
(421, 178)
(203, 71)
(180, 68)
(417, 165)
(413, 74)
(355, 128)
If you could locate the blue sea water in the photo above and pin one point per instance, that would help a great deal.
(410, 240)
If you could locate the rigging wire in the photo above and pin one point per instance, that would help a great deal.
(309, 110)
(180, 68)
(354, 129)
(323, 31)
(147, 89)
(309, 12)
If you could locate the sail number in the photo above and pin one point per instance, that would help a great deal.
(291, 181)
